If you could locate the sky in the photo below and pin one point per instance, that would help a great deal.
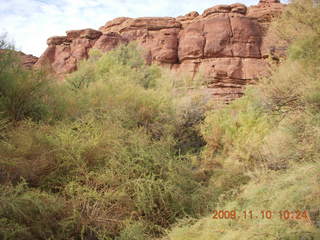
(29, 23)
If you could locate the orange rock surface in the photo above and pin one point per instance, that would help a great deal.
(228, 43)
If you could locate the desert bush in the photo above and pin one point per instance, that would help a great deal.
(262, 149)
(234, 133)
(298, 20)
(23, 94)
(121, 65)
(107, 151)
(293, 190)
(299, 26)
(26, 93)
(135, 231)
(190, 113)
(27, 213)
(272, 124)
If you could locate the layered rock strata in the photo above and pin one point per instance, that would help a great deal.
(227, 43)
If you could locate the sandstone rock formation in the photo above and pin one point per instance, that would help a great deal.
(28, 61)
(64, 52)
(226, 42)
(265, 10)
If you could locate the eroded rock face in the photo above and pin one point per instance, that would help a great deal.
(64, 52)
(228, 43)
(27, 60)
(109, 41)
(186, 19)
(265, 10)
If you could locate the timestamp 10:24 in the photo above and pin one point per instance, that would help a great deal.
(265, 214)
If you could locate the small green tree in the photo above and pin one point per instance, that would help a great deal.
(23, 92)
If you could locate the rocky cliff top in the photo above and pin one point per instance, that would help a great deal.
(226, 42)
(27, 60)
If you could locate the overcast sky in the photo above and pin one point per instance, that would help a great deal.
(29, 23)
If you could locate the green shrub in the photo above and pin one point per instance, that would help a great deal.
(108, 151)
(191, 112)
(133, 232)
(23, 94)
(294, 190)
(121, 65)
(30, 214)
(262, 149)
(28, 93)
(235, 133)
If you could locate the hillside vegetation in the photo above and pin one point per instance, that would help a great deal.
(264, 147)
(104, 155)
(117, 152)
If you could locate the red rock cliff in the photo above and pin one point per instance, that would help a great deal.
(226, 42)
(27, 61)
